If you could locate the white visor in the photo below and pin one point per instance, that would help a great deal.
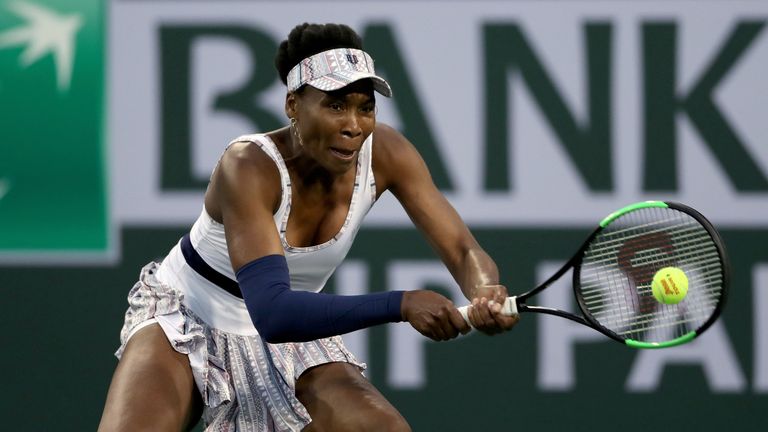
(333, 69)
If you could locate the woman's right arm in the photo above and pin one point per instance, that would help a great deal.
(245, 190)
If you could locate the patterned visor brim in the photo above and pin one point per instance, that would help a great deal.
(333, 69)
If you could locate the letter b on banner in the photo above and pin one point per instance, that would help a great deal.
(176, 43)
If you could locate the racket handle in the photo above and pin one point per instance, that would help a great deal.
(509, 308)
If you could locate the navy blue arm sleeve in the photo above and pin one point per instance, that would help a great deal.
(283, 315)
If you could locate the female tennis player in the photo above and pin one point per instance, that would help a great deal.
(232, 325)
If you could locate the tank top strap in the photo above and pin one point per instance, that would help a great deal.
(270, 148)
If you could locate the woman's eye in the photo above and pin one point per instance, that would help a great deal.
(336, 106)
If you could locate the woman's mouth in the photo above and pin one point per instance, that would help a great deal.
(343, 154)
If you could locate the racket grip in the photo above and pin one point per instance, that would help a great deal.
(509, 308)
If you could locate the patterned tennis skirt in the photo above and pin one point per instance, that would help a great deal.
(246, 383)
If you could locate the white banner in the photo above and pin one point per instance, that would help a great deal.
(717, 101)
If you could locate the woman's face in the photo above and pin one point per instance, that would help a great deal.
(333, 125)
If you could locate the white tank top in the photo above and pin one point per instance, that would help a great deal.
(309, 267)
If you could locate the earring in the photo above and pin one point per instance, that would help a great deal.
(295, 130)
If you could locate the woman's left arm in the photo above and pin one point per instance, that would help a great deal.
(400, 168)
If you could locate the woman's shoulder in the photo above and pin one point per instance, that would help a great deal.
(394, 156)
(389, 144)
(251, 158)
(244, 172)
(386, 136)
(260, 149)
(242, 154)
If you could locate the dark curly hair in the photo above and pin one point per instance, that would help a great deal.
(309, 39)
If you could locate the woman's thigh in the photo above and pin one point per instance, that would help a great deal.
(152, 388)
(339, 398)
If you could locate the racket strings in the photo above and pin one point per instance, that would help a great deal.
(592, 287)
(704, 262)
(608, 250)
(622, 234)
(595, 300)
(618, 267)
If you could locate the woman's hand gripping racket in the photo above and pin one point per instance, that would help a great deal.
(652, 275)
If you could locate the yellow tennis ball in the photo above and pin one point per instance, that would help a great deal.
(670, 285)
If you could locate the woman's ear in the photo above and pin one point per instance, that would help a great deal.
(290, 104)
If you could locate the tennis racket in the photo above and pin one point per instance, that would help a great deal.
(614, 269)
